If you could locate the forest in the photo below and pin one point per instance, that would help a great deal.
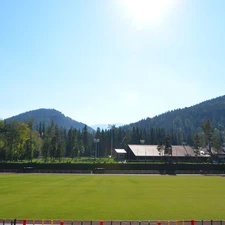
(24, 141)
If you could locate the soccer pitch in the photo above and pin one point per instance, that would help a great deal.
(102, 197)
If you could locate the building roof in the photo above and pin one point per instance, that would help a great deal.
(182, 150)
(120, 151)
(220, 151)
(144, 150)
(151, 150)
(223, 149)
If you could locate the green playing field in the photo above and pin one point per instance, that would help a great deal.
(95, 197)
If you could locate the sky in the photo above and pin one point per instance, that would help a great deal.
(110, 61)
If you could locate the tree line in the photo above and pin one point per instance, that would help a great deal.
(21, 141)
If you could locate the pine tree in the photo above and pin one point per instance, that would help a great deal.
(216, 143)
(29, 145)
(2, 141)
(84, 139)
(43, 130)
(196, 144)
(167, 144)
(208, 133)
(40, 128)
(48, 147)
(153, 136)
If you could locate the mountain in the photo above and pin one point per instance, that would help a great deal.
(105, 126)
(46, 115)
(188, 119)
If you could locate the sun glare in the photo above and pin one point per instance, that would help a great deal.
(147, 11)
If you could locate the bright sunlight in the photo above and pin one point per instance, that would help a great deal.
(147, 11)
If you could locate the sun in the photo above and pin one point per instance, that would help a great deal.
(147, 11)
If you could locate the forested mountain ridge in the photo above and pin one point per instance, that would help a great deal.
(188, 119)
(199, 126)
(46, 116)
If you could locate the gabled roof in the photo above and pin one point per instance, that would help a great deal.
(144, 150)
(120, 151)
(221, 151)
(151, 150)
(182, 150)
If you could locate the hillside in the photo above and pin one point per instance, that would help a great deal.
(188, 119)
(46, 115)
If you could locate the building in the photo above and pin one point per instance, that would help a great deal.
(119, 154)
(154, 153)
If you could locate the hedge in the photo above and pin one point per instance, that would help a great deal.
(125, 166)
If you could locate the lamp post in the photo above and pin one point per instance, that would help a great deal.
(40, 152)
(96, 140)
(142, 142)
(111, 127)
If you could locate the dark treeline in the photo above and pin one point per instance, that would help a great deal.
(21, 141)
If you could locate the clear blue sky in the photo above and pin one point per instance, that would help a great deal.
(108, 61)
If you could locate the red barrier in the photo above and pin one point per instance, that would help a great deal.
(192, 222)
(101, 222)
(24, 222)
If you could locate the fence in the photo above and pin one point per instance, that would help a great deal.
(69, 222)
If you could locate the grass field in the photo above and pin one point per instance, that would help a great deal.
(80, 197)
